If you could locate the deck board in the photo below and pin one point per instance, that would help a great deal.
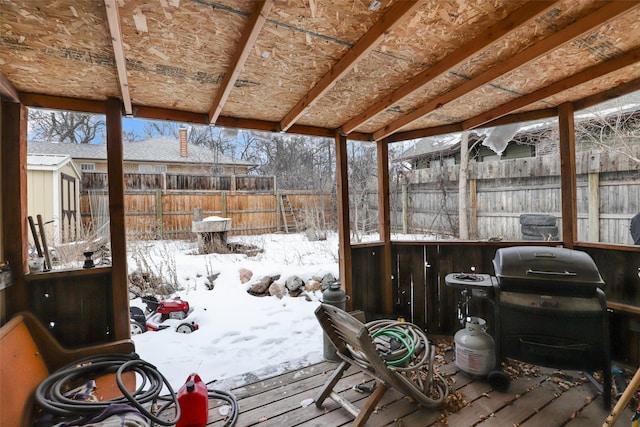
(550, 398)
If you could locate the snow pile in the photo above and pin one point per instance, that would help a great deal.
(241, 337)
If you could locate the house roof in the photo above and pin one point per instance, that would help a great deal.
(373, 70)
(164, 150)
(449, 144)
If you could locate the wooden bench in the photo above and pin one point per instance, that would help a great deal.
(28, 353)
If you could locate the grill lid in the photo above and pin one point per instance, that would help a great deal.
(541, 266)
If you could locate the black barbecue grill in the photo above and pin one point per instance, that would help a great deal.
(549, 310)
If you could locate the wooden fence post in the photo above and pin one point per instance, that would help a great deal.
(594, 207)
(223, 203)
(473, 209)
(278, 213)
(159, 224)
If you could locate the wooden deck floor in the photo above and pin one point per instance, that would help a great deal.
(550, 398)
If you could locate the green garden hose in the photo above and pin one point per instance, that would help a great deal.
(412, 356)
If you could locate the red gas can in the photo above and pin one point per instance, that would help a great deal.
(193, 399)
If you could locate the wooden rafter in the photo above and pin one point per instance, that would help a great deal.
(491, 35)
(256, 21)
(594, 20)
(394, 17)
(584, 76)
(7, 90)
(113, 17)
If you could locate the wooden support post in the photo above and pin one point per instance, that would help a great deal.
(568, 175)
(119, 272)
(342, 183)
(384, 219)
(13, 156)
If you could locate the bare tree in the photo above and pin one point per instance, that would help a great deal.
(298, 162)
(363, 180)
(160, 128)
(617, 132)
(65, 126)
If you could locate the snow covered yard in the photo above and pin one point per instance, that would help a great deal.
(241, 337)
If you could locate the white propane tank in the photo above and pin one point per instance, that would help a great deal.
(474, 348)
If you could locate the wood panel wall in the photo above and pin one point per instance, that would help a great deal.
(71, 304)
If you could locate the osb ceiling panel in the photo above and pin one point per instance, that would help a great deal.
(57, 48)
(179, 53)
(299, 44)
(405, 52)
(557, 18)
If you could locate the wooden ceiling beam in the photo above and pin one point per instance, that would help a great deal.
(62, 103)
(155, 113)
(7, 90)
(113, 18)
(257, 20)
(396, 14)
(584, 76)
(609, 11)
(491, 35)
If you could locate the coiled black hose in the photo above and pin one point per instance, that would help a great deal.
(49, 395)
(230, 399)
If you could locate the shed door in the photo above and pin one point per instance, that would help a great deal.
(69, 204)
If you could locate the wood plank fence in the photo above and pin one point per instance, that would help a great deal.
(158, 214)
(180, 181)
(500, 191)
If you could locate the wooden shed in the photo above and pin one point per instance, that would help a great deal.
(53, 188)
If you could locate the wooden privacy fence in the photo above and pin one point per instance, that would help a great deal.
(180, 181)
(168, 214)
(608, 194)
